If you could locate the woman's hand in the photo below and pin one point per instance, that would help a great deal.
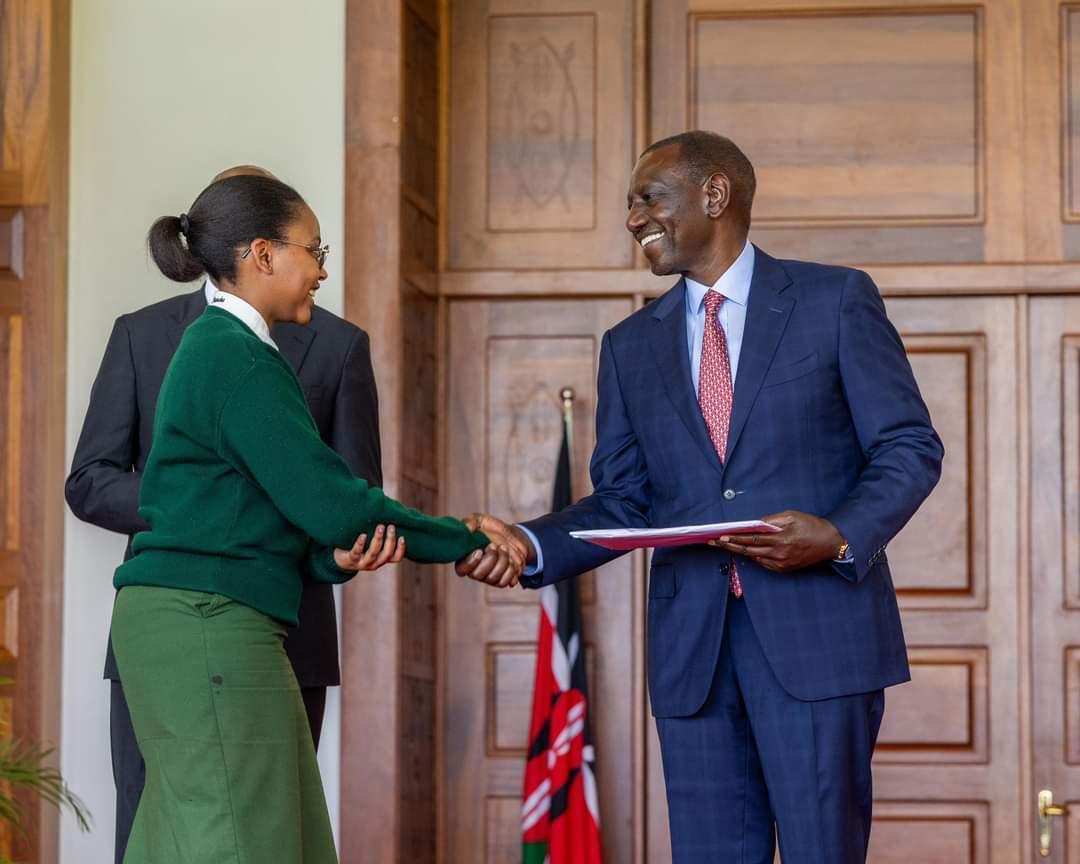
(500, 564)
(383, 549)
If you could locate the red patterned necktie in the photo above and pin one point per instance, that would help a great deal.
(715, 392)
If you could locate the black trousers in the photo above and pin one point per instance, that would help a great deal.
(129, 772)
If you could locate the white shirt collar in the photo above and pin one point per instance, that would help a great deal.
(243, 310)
(734, 283)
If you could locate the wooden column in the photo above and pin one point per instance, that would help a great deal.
(391, 204)
(34, 51)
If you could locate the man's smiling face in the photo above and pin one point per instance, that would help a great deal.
(668, 214)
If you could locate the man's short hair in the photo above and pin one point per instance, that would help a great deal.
(243, 171)
(706, 153)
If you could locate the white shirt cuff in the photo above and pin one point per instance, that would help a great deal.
(538, 567)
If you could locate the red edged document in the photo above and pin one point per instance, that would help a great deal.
(622, 539)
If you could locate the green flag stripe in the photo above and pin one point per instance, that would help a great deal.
(534, 853)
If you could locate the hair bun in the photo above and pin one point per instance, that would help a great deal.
(185, 224)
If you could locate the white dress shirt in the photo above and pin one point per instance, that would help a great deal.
(734, 284)
(239, 308)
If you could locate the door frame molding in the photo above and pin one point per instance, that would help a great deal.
(35, 86)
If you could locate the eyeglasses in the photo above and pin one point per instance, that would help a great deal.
(319, 253)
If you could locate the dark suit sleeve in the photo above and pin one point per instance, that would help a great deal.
(103, 488)
(621, 490)
(355, 432)
(902, 451)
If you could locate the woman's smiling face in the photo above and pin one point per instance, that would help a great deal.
(297, 270)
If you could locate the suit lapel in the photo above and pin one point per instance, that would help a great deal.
(672, 356)
(191, 308)
(293, 341)
(767, 314)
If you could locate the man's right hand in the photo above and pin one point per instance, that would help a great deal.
(504, 534)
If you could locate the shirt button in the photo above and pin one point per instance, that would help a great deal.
(729, 494)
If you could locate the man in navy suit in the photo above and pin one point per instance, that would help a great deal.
(332, 359)
(754, 388)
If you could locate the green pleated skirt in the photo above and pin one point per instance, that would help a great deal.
(231, 774)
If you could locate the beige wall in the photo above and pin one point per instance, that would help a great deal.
(163, 96)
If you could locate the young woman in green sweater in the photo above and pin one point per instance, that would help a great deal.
(238, 490)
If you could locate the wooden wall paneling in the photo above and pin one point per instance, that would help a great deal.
(944, 549)
(1004, 178)
(389, 740)
(1023, 571)
(420, 427)
(839, 105)
(370, 612)
(668, 79)
(35, 714)
(907, 831)
(1055, 586)
(1068, 42)
(541, 133)
(507, 361)
(27, 38)
(881, 132)
(1052, 116)
(34, 66)
(943, 714)
(1071, 830)
(951, 736)
(1051, 32)
(948, 761)
(894, 280)
(1048, 71)
(12, 459)
(943, 234)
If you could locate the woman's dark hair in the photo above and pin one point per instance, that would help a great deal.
(226, 217)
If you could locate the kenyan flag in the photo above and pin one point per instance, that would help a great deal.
(560, 819)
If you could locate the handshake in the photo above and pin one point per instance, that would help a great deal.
(506, 557)
(500, 564)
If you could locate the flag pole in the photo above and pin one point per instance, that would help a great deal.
(560, 809)
(567, 396)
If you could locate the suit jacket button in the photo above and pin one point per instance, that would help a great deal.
(729, 494)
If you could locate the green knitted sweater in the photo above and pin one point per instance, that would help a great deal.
(239, 486)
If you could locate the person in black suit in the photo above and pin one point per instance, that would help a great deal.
(332, 359)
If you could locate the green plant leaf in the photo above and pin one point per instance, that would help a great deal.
(24, 766)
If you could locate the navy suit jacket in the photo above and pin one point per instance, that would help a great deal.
(827, 419)
(332, 358)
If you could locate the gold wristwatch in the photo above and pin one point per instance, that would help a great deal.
(843, 550)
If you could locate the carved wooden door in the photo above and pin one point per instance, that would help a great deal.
(508, 362)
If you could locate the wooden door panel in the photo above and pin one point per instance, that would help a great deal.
(541, 134)
(508, 362)
(880, 131)
(940, 557)
(12, 525)
(1055, 524)
(883, 131)
(846, 88)
(1051, 31)
(908, 832)
(951, 736)
(946, 777)
(942, 715)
